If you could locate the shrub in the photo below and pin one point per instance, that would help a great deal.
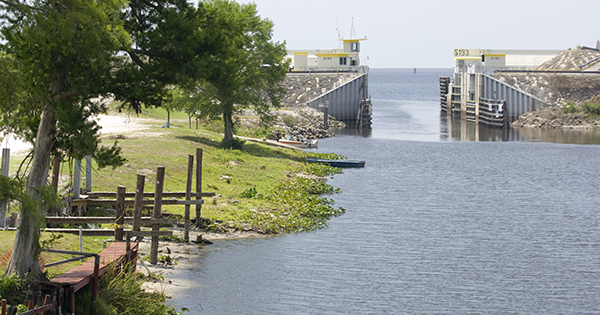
(248, 193)
(121, 293)
(570, 108)
(290, 121)
(592, 108)
(12, 288)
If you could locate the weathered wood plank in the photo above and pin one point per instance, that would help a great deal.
(108, 194)
(106, 232)
(81, 275)
(113, 202)
(107, 220)
(150, 233)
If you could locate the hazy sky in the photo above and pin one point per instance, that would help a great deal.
(423, 34)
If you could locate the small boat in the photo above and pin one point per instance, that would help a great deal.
(301, 143)
(339, 163)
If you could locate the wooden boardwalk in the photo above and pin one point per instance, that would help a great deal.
(89, 272)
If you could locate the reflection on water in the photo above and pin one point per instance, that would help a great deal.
(457, 129)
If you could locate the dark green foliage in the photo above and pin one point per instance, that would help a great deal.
(58, 55)
(12, 288)
(169, 50)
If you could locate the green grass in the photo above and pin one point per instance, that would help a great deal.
(91, 244)
(228, 173)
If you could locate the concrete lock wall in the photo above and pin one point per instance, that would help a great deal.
(343, 101)
(517, 102)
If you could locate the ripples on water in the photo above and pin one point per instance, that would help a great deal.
(431, 228)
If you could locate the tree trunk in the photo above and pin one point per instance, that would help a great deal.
(24, 258)
(228, 119)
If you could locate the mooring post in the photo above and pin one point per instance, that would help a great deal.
(198, 185)
(326, 115)
(120, 213)
(88, 173)
(4, 202)
(76, 179)
(160, 177)
(188, 197)
(138, 203)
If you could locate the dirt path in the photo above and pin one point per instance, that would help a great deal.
(110, 125)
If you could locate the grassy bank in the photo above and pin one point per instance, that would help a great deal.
(258, 188)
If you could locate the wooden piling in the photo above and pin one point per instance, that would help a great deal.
(138, 203)
(160, 177)
(198, 185)
(188, 197)
(120, 213)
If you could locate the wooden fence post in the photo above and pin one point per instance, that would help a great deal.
(88, 173)
(198, 185)
(188, 196)
(160, 177)
(46, 302)
(138, 203)
(120, 213)
(77, 180)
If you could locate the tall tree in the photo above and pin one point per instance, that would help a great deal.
(245, 69)
(60, 54)
(61, 51)
(168, 50)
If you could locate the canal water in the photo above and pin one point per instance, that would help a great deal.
(436, 223)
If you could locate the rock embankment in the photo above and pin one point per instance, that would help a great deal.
(301, 88)
(306, 122)
(559, 88)
(295, 119)
(555, 117)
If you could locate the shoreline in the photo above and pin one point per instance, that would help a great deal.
(157, 276)
(554, 117)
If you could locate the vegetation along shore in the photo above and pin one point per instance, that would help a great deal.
(210, 70)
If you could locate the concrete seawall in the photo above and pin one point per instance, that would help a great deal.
(343, 92)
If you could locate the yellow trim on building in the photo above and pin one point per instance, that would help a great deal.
(300, 53)
(332, 55)
(467, 58)
(352, 40)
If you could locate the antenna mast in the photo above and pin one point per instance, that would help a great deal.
(352, 31)
(338, 31)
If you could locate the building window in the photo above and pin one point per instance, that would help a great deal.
(343, 61)
(353, 62)
(354, 46)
